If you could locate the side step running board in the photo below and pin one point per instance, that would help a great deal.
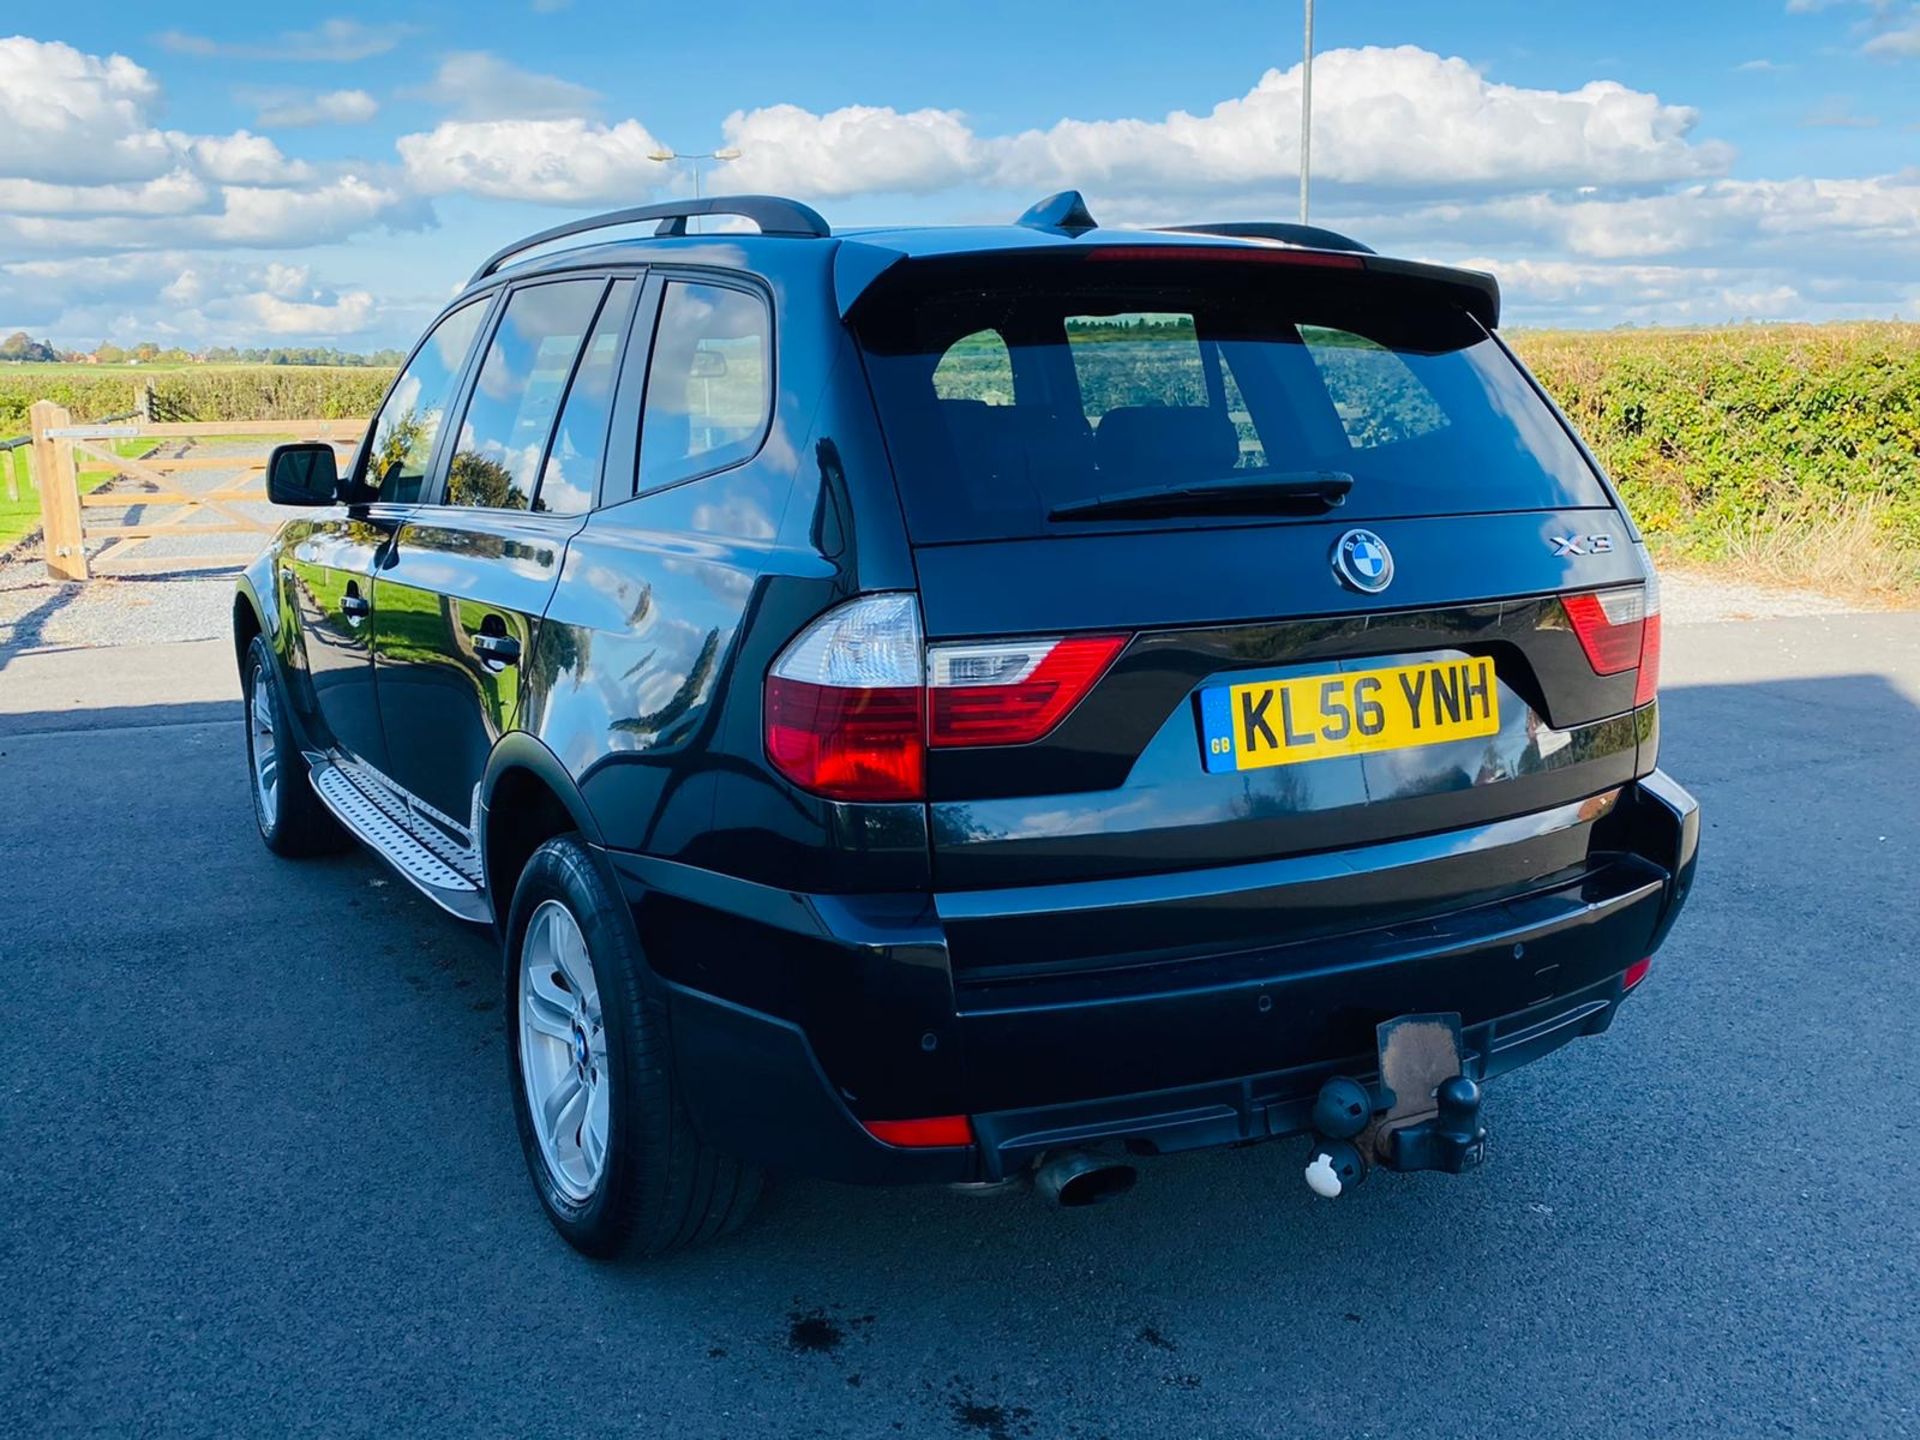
(392, 842)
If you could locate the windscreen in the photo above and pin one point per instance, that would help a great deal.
(1007, 403)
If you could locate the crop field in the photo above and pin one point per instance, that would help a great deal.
(1788, 453)
(193, 392)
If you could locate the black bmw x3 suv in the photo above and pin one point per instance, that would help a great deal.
(978, 705)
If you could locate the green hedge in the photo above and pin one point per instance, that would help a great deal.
(211, 392)
(1710, 433)
(1713, 434)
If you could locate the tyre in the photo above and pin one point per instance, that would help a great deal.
(291, 818)
(612, 1153)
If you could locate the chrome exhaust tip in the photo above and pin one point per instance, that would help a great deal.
(1075, 1178)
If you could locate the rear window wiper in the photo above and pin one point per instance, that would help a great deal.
(1290, 490)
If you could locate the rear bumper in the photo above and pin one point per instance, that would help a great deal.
(755, 1088)
(792, 1014)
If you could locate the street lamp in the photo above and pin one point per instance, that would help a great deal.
(1306, 112)
(667, 157)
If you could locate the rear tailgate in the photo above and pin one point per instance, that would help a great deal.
(1014, 410)
(1122, 785)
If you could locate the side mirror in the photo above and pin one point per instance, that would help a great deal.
(304, 473)
(709, 365)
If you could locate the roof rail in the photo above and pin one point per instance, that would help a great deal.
(772, 213)
(1310, 236)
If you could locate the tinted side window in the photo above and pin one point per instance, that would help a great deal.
(504, 433)
(568, 478)
(404, 429)
(709, 382)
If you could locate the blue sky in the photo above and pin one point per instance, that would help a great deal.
(210, 172)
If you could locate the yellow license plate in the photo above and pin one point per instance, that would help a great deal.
(1312, 717)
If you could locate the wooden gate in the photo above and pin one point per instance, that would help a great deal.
(160, 488)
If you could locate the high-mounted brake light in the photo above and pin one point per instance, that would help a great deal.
(1258, 254)
(852, 706)
(1620, 630)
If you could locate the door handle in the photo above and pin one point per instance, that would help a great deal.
(501, 649)
(355, 606)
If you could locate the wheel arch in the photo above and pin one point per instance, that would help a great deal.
(248, 621)
(526, 797)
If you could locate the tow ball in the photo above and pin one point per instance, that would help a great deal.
(1425, 1113)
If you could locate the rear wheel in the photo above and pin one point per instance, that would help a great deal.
(291, 818)
(611, 1151)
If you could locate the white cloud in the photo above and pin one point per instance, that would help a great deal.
(241, 158)
(1402, 118)
(176, 193)
(71, 117)
(271, 314)
(195, 298)
(337, 41)
(477, 86)
(555, 162)
(291, 110)
(1901, 42)
(82, 167)
(251, 216)
(855, 150)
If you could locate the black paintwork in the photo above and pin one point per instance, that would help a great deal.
(1087, 932)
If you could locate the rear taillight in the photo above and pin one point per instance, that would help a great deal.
(1010, 692)
(1636, 972)
(853, 704)
(1620, 630)
(845, 712)
(1649, 682)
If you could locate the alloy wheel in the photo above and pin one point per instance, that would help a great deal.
(563, 1051)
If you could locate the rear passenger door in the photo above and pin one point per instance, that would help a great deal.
(468, 576)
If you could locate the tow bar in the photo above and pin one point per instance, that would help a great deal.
(1424, 1114)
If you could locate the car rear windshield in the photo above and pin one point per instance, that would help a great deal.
(1007, 401)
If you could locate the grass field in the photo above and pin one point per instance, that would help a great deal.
(22, 516)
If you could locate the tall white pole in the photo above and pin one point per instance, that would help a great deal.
(1306, 113)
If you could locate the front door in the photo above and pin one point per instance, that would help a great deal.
(459, 596)
(334, 562)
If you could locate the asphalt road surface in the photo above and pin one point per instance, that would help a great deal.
(258, 1173)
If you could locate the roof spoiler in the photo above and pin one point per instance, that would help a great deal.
(857, 265)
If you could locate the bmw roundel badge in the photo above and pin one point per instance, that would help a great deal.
(1361, 559)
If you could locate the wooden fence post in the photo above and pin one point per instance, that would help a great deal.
(59, 485)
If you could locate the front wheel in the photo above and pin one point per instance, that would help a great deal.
(291, 818)
(608, 1144)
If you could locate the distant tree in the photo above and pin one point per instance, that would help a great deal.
(20, 346)
(109, 354)
(146, 352)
